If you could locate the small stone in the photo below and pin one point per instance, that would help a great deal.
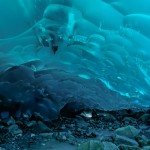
(4, 114)
(128, 131)
(14, 130)
(13, 127)
(43, 128)
(61, 137)
(125, 140)
(63, 127)
(17, 132)
(10, 121)
(30, 124)
(33, 135)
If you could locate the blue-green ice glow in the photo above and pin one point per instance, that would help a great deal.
(105, 41)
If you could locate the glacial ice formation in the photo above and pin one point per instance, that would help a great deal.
(54, 52)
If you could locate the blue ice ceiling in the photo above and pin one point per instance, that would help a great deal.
(92, 51)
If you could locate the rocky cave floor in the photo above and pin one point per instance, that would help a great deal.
(90, 130)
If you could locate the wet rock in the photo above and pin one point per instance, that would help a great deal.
(13, 127)
(145, 118)
(105, 117)
(9, 121)
(4, 115)
(129, 120)
(127, 147)
(91, 134)
(30, 124)
(2, 148)
(128, 131)
(42, 127)
(96, 145)
(63, 127)
(125, 140)
(14, 130)
(72, 109)
(143, 140)
(82, 124)
(60, 136)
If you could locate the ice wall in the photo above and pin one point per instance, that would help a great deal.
(91, 52)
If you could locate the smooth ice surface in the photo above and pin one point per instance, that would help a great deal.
(94, 52)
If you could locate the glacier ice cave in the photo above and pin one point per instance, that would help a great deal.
(83, 54)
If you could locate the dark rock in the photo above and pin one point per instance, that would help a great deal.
(9, 121)
(91, 134)
(143, 140)
(72, 109)
(105, 117)
(14, 130)
(4, 114)
(145, 118)
(17, 132)
(82, 124)
(42, 127)
(13, 127)
(61, 136)
(30, 124)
